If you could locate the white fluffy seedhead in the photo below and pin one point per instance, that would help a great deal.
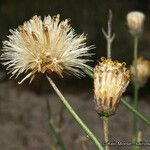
(45, 46)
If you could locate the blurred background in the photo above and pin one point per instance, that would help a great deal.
(23, 109)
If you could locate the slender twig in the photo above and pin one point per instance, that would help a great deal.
(106, 132)
(76, 117)
(55, 130)
(136, 89)
(125, 103)
(109, 37)
(134, 111)
(53, 145)
(57, 134)
(136, 72)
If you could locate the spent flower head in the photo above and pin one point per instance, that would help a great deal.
(45, 46)
(110, 81)
(135, 21)
(143, 71)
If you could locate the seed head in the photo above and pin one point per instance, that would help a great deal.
(143, 71)
(110, 81)
(135, 21)
(45, 46)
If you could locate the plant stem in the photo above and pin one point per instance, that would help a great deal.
(136, 89)
(106, 132)
(76, 117)
(109, 39)
(55, 130)
(125, 103)
(57, 135)
(109, 35)
(133, 110)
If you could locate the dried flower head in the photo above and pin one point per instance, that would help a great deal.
(110, 81)
(143, 71)
(135, 22)
(45, 46)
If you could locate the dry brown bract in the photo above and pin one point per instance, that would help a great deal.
(45, 46)
(110, 81)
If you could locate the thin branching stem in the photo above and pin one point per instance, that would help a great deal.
(109, 37)
(136, 89)
(57, 134)
(134, 111)
(75, 116)
(55, 130)
(136, 86)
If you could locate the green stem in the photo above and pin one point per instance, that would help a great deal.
(106, 132)
(136, 89)
(56, 131)
(57, 135)
(76, 117)
(125, 103)
(134, 111)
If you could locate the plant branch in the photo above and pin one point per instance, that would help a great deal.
(136, 89)
(55, 130)
(106, 132)
(75, 116)
(57, 134)
(109, 37)
(137, 113)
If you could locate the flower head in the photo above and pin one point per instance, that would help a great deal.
(45, 46)
(135, 22)
(143, 71)
(110, 81)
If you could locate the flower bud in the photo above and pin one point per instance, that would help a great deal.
(110, 81)
(143, 71)
(135, 21)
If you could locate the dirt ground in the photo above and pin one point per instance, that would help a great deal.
(24, 120)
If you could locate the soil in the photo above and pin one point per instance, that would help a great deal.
(24, 123)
